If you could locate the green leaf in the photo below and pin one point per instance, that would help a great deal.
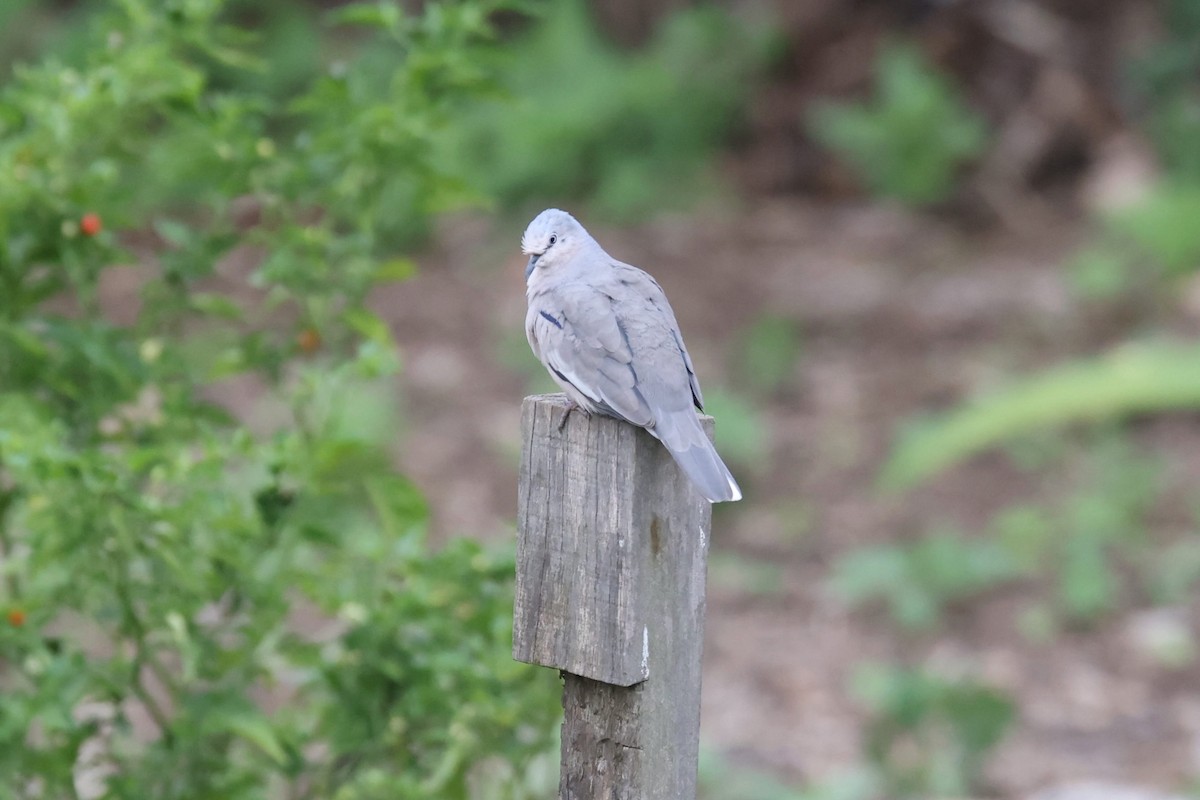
(917, 579)
(396, 269)
(741, 434)
(769, 352)
(613, 127)
(175, 233)
(911, 139)
(135, 510)
(369, 326)
(257, 730)
(378, 14)
(215, 305)
(1099, 273)
(1132, 379)
(1164, 225)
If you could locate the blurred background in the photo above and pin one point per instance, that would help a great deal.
(262, 359)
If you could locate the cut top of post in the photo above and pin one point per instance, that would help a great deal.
(611, 545)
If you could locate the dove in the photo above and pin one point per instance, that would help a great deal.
(607, 335)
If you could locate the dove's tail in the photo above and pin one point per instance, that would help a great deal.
(686, 440)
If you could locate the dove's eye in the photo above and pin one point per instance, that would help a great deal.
(553, 239)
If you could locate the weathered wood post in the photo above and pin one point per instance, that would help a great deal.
(612, 543)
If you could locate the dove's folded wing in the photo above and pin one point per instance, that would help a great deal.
(643, 284)
(580, 340)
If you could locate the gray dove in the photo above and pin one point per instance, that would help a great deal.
(606, 333)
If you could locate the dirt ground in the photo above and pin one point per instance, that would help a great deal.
(899, 314)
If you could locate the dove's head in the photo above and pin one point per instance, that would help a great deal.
(553, 239)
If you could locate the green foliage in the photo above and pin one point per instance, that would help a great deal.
(1097, 272)
(918, 580)
(930, 736)
(741, 433)
(28, 28)
(1157, 237)
(586, 121)
(434, 648)
(1025, 532)
(768, 354)
(1166, 80)
(911, 140)
(1082, 546)
(158, 560)
(1132, 379)
(1097, 523)
(1151, 244)
(1083, 542)
(1163, 228)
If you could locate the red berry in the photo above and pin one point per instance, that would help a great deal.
(16, 617)
(89, 224)
(309, 341)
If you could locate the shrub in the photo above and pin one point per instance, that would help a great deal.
(911, 140)
(929, 736)
(157, 558)
(1165, 80)
(611, 128)
(919, 579)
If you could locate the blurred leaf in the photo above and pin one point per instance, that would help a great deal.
(381, 15)
(369, 326)
(257, 729)
(918, 580)
(1087, 586)
(215, 305)
(768, 355)
(1098, 273)
(929, 735)
(175, 233)
(612, 127)
(741, 434)
(911, 139)
(396, 269)
(1130, 380)
(1026, 533)
(1165, 79)
(1164, 226)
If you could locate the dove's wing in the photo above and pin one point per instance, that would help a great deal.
(667, 380)
(608, 336)
(575, 332)
(614, 339)
(636, 279)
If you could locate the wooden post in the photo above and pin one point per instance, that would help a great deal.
(612, 543)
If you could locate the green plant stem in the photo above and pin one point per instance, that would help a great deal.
(6, 545)
(74, 788)
(143, 657)
(10, 290)
(6, 549)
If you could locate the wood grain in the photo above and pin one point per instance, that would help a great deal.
(611, 557)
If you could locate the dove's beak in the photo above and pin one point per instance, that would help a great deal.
(529, 267)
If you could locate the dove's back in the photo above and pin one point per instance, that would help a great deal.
(667, 381)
